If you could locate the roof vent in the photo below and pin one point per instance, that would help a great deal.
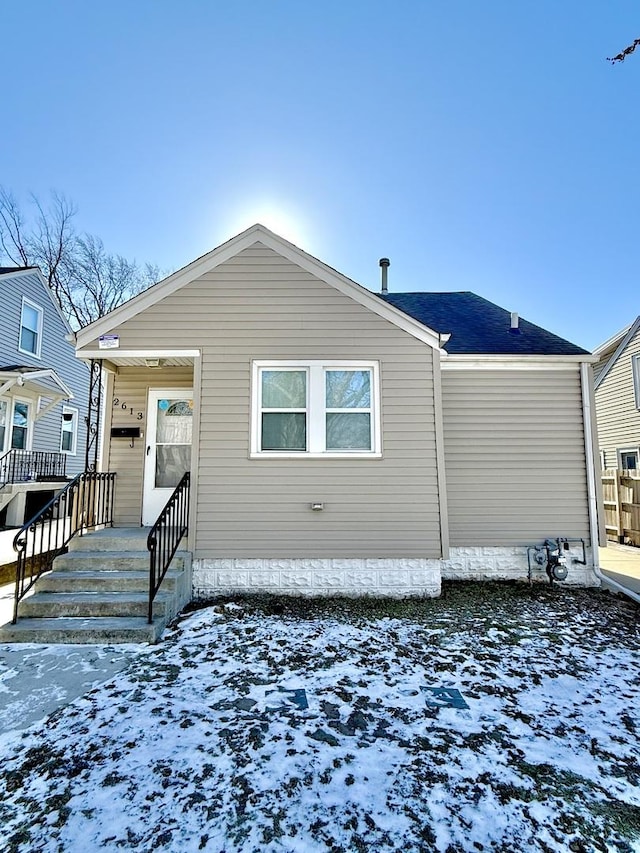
(515, 320)
(385, 263)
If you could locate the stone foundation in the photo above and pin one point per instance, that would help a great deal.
(393, 578)
(498, 564)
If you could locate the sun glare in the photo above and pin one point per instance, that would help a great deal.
(284, 223)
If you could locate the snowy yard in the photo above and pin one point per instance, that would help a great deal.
(289, 725)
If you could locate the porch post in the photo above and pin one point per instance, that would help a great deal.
(93, 416)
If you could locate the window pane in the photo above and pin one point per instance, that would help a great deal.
(284, 431)
(28, 341)
(19, 438)
(348, 389)
(175, 422)
(172, 462)
(67, 440)
(348, 431)
(284, 389)
(30, 317)
(21, 414)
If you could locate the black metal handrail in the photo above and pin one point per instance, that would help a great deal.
(86, 502)
(19, 466)
(165, 536)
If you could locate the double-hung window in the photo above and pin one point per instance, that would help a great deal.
(30, 328)
(69, 435)
(316, 409)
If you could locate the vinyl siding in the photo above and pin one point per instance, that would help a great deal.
(131, 386)
(514, 456)
(56, 353)
(618, 417)
(261, 306)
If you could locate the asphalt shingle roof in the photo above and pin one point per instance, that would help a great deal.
(478, 326)
(4, 270)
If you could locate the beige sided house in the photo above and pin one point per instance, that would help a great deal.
(341, 441)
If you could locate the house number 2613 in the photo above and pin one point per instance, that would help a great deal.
(117, 404)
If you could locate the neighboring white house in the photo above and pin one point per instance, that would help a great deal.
(43, 396)
(341, 440)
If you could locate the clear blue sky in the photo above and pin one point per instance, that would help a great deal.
(483, 146)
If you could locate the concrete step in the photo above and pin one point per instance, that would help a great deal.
(107, 581)
(119, 561)
(44, 605)
(79, 630)
(6, 495)
(112, 539)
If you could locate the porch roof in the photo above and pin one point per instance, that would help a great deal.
(44, 380)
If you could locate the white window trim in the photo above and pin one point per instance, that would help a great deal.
(621, 450)
(316, 410)
(38, 331)
(7, 426)
(635, 368)
(30, 404)
(66, 410)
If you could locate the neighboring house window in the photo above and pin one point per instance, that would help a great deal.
(3, 423)
(20, 425)
(69, 436)
(635, 366)
(628, 458)
(30, 328)
(316, 409)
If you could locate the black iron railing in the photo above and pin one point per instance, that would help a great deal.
(19, 466)
(86, 502)
(165, 535)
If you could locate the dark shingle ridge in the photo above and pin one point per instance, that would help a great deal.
(4, 270)
(478, 326)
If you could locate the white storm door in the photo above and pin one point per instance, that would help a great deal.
(168, 447)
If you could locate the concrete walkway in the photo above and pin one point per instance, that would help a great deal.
(622, 564)
(35, 680)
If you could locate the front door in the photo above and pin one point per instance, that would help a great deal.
(168, 447)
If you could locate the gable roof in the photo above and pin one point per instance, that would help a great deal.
(456, 323)
(256, 234)
(622, 338)
(478, 326)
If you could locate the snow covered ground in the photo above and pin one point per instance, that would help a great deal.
(333, 725)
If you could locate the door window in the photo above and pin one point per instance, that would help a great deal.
(174, 428)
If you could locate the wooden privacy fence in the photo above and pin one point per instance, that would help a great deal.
(621, 493)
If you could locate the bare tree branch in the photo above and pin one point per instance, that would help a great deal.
(620, 57)
(11, 225)
(87, 281)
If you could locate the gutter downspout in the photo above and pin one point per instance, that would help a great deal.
(591, 488)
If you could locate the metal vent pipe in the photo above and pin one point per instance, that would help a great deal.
(385, 263)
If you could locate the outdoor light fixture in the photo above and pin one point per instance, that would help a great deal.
(153, 362)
